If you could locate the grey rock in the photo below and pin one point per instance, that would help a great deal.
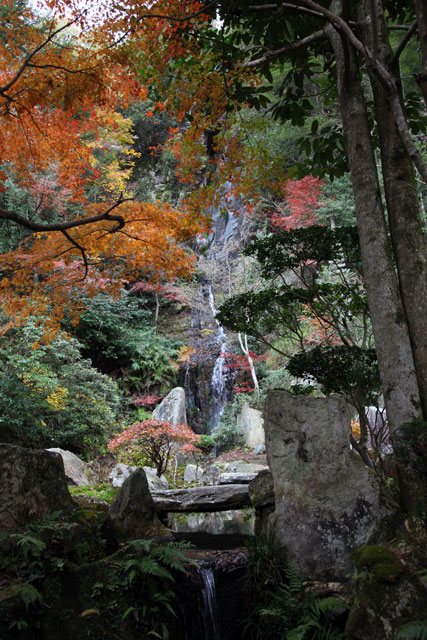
(259, 450)
(120, 473)
(154, 482)
(236, 478)
(77, 471)
(250, 424)
(32, 484)
(261, 489)
(193, 473)
(132, 514)
(215, 498)
(172, 408)
(327, 500)
(241, 466)
(211, 475)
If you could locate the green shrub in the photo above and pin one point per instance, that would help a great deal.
(50, 396)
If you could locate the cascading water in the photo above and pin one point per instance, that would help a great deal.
(209, 611)
(219, 390)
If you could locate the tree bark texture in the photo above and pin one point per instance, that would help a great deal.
(403, 208)
(421, 13)
(393, 345)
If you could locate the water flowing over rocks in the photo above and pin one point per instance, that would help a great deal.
(32, 485)
(327, 500)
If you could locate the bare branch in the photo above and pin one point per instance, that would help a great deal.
(31, 55)
(291, 46)
(402, 44)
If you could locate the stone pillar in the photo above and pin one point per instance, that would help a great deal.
(327, 500)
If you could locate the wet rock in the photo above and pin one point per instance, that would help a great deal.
(78, 472)
(327, 501)
(172, 408)
(32, 484)
(215, 498)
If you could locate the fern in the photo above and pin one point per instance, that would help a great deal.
(416, 630)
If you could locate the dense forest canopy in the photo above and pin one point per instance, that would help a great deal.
(351, 75)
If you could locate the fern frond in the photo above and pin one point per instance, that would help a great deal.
(416, 630)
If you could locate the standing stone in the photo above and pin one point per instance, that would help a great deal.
(250, 424)
(172, 408)
(131, 515)
(193, 473)
(32, 484)
(327, 500)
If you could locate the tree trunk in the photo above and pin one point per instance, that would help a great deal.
(395, 359)
(421, 13)
(403, 206)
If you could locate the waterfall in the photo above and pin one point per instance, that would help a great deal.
(209, 611)
(219, 391)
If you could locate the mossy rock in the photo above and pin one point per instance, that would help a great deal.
(379, 561)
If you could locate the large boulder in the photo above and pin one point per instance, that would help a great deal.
(121, 472)
(172, 408)
(250, 424)
(32, 484)
(78, 472)
(327, 500)
(132, 515)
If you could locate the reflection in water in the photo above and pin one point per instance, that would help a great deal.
(219, 523)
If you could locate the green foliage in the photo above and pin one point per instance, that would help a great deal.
(151, 571)
(118, 337)
(281, 606)
(206, 443)
(226, 434)
(350, 371)
(51, 396)
(102, 491)
(416, 630)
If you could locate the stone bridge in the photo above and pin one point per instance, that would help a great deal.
(202, 499)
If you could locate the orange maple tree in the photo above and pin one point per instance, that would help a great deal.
(61, 85)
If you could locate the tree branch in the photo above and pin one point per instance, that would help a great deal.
(69, 224)
(288, 48)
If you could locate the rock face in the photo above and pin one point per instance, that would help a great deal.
(327, 500)
(77, 471)
(121, 472)
(250, 424)
(172, 408)
(193, 473)
(387, 596)
(32, 484)
(216, 498)
(132, 515)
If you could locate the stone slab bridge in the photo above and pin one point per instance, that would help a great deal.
(202, 499)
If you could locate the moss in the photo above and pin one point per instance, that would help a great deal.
(380, 562)
(103, 491)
